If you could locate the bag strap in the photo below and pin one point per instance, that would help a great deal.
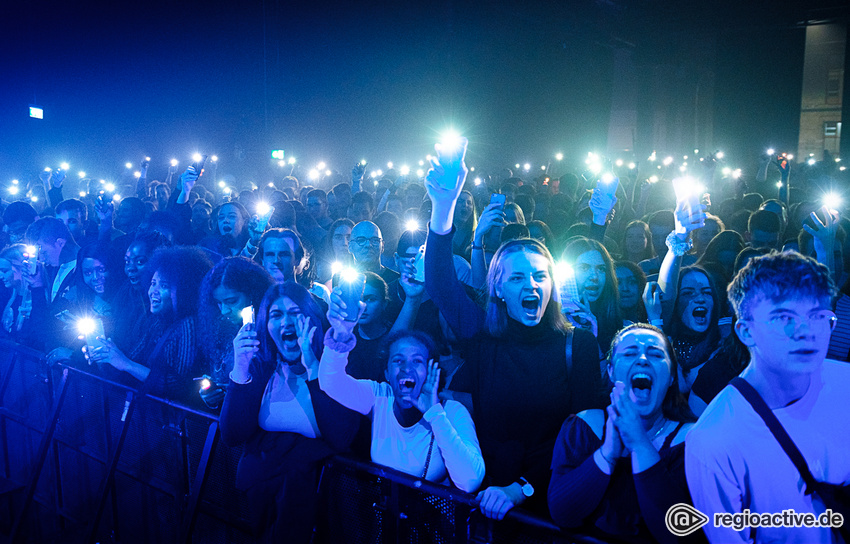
(778, 431)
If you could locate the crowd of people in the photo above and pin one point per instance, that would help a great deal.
(569, 349)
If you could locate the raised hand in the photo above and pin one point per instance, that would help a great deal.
(493, 216)
(245, 346)
(444, 183)
(408, 284)
(108, 353)
(580, 314)
(188, 179)
(305, 341)
(336, 316)
(652, 300)
(57, 177)
(823, 232)
(688, 217)
(428, 394)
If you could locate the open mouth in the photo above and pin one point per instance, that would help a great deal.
(289, 335)
(641, 388)
(406, 385)
(531, 305)
(226, 229)
(700, 315)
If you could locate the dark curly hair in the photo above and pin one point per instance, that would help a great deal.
(184, 268)
(236, 273)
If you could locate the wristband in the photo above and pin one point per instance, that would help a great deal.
(250, 378)
(676, 246)
(341, 347)
(477, 248)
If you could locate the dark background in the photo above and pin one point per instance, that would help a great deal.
(376, 80)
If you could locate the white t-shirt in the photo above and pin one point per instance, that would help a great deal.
(455, 456)
(733, 462)
(287, 406)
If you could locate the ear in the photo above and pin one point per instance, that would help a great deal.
(742, 329)
(60, 243)
(387, 374)
(611, 371)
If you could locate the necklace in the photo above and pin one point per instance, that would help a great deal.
(658, 432)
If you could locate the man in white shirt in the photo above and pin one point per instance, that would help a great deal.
(732, 460)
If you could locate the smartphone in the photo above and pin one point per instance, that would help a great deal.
(567, 286)
(199, 166)
(686, 192)
(247, 314)
(782, 160)
(419, 265)
(101, 200)
(352, 286)
(264, 213)
(31, 259)
(607, 184)
(94, 334)
(499, 199)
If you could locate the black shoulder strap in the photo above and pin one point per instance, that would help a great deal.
(569, 352)
(669, 440)
(778, 431)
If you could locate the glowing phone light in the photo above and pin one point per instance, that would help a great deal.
(619, 162)
(420, 172)
(412, 224)
(559, 156)
(771, 151)
(221, 184)
(197, 157)
(321, 166)
(390, 165)
(263, 208)
(129, 165)
(82, 194)
(13, 190)
(336, 268)
(811, 162)
(405, 170)
(137, 174)
(291, 160)
(281, 163)
(314, 174)
(214, 158)
(247, 314)
(632, 166)
(174, 162)
(719, 154)
(86, 325)
(109, 187)
(668, 161)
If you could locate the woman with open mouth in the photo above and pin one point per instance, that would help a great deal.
(230, 229)
(276, 410)
(616, 472)
(412, 431)
(526, 368)
(598, 307)
(164, 360)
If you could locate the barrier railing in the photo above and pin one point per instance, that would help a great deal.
(89, 459)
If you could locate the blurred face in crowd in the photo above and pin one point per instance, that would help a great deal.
(464, 208)
(75, 222)
(366, 243)
(279, 258)
(283, 314)
(764, 239)
(95, 275)
(7, 273)
(230, 303)
(317, 207)
(407, 369)
(701, 237)
(135, 261)
(201, 216)
(395, 205)
(525, 284)
(17, 230)
(636, 241)
(162, 295)
(340, 239)
(50, 251)
(628, 286)
(640, 360)
(659, 235)
(359, 211)
(695, 302)
(590, 275)
(230, 221)
(375, 305)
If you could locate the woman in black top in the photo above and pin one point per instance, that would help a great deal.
(517, 370)
(616, 472)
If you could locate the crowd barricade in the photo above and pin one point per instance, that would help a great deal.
(89, 459)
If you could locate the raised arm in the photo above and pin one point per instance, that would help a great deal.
(357, 395)
(444, 183)
(687, 220)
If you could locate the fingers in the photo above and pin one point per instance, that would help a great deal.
(494, 503)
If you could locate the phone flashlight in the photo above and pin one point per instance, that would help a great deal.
(719, 155)
(832, 201)
(565, 279)
(653, 179)
(771, 151)
(477, 181)
(263, 208)
(607, 177)
(129, 165)
(336, 268)
(197, 157)
(363, 162)
(405, 170)
(247, 314)
(412, 224)
(668, 161)
(619, 162)
(174, 162)
(13, 190)
(450, 142)
(205, 384)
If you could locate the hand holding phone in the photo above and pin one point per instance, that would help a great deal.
(351, 287)
(499, 200)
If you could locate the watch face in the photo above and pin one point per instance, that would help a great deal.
(527, 490)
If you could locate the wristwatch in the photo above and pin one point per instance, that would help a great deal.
(527, 489)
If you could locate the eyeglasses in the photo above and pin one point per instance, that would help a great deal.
(362, 241)
(788, 324)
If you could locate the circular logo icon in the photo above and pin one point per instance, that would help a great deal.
(683, 519)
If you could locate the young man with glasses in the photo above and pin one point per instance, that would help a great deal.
(733, 461)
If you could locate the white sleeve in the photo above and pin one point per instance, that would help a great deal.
(357, 395)
(454, 433)
(712, 490)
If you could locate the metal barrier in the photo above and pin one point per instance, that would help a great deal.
(88, 459)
